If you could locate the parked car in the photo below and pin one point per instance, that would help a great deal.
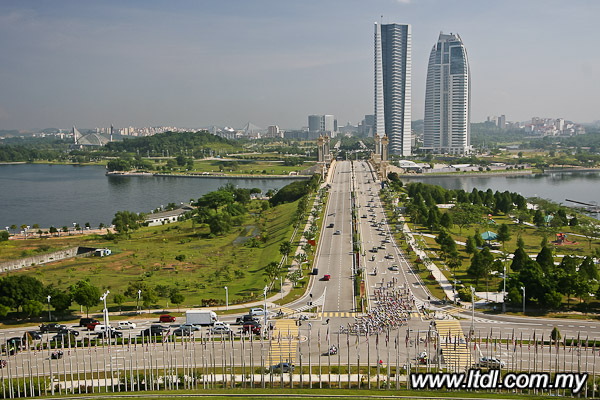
(315, 271)
(491, 362)
(330, 225)
(220, 327)
(394, 268)
(166, 318)
(389, 256)
(86, 321)
(51, 327)
(257, 311)
(282, 367)
(123, 325)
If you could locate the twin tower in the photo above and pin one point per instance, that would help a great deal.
(447, 95)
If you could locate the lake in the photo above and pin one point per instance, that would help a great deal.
(555, 186)
(58, 195)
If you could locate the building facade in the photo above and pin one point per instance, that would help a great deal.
(392, 75)
(326, 124)
(448, 98)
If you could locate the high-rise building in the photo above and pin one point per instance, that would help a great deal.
(326, 124)
(448, 98)
(393, 86)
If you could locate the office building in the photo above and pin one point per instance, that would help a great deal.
(393, 86)
(324, 124)
(448, 98)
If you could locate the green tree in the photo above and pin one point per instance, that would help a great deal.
(470, 246)
(33, 308)
(16, 290)
(124, 221)
(538, 218)
(285, 248)
(272, 271)
(61, 300)
(504, 234)
(520, 242)
(446, 220)
(545, 259)
(86, 295)
(4, 236)
(149, 298)
(177, 298)
(219, 223)
(119, 299)
(519, 259)
(555, 334)
(590, 230)
(588, 270)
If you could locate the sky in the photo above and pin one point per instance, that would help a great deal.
(273, 62)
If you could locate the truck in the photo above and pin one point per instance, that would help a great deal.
(200, 317)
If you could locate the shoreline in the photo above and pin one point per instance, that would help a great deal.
(212, 176)
(461, 174)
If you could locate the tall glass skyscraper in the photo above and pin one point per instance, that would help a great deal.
(448, 98)
(393, 86)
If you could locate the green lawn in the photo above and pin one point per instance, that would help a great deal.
(149, 255)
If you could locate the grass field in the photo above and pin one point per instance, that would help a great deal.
(149, 256)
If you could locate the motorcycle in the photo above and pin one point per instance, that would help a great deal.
(331, 352)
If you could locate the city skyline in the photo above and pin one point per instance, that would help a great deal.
(147, 63)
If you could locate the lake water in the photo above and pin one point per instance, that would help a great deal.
(555, 186)
(58, 195)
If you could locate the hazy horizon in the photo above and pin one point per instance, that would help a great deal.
(199, 63)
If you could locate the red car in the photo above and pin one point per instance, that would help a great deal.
(166, 318)
(90, 326)
(326, 277)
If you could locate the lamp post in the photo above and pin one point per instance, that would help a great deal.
(226, 298)
(504, 292)
(49, 316)
(103, 298)
(523, 289)
(472, 310)
(265, 308)
(138, 302)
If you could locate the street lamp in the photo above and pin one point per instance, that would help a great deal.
(472, 310)
(226, 298)
(49, 316)
(138, 301)
(103, 298)
(265, 308)
(504, 292)
(523, 289)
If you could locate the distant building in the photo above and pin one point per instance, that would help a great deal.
(273, 131)
(325, 124)
(90, 139)
(166, 217)
(448, 98)
(392, 105)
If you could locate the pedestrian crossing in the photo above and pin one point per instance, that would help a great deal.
(342, 314)
(284, 342)
(457, 355)
(284, 310)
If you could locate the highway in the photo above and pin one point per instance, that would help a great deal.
(304, 342)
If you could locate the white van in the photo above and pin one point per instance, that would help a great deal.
(125, 325)
(100, 328)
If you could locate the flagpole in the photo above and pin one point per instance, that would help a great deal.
(368, 361)
(309, 356)
(328, 359)
(339, 360)
(319, 347)
(62, 347)
(594, 370)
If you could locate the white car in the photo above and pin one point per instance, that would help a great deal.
(394, 268)
(126, 325)
(257, 311)
(491, 362)
(220, 327)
